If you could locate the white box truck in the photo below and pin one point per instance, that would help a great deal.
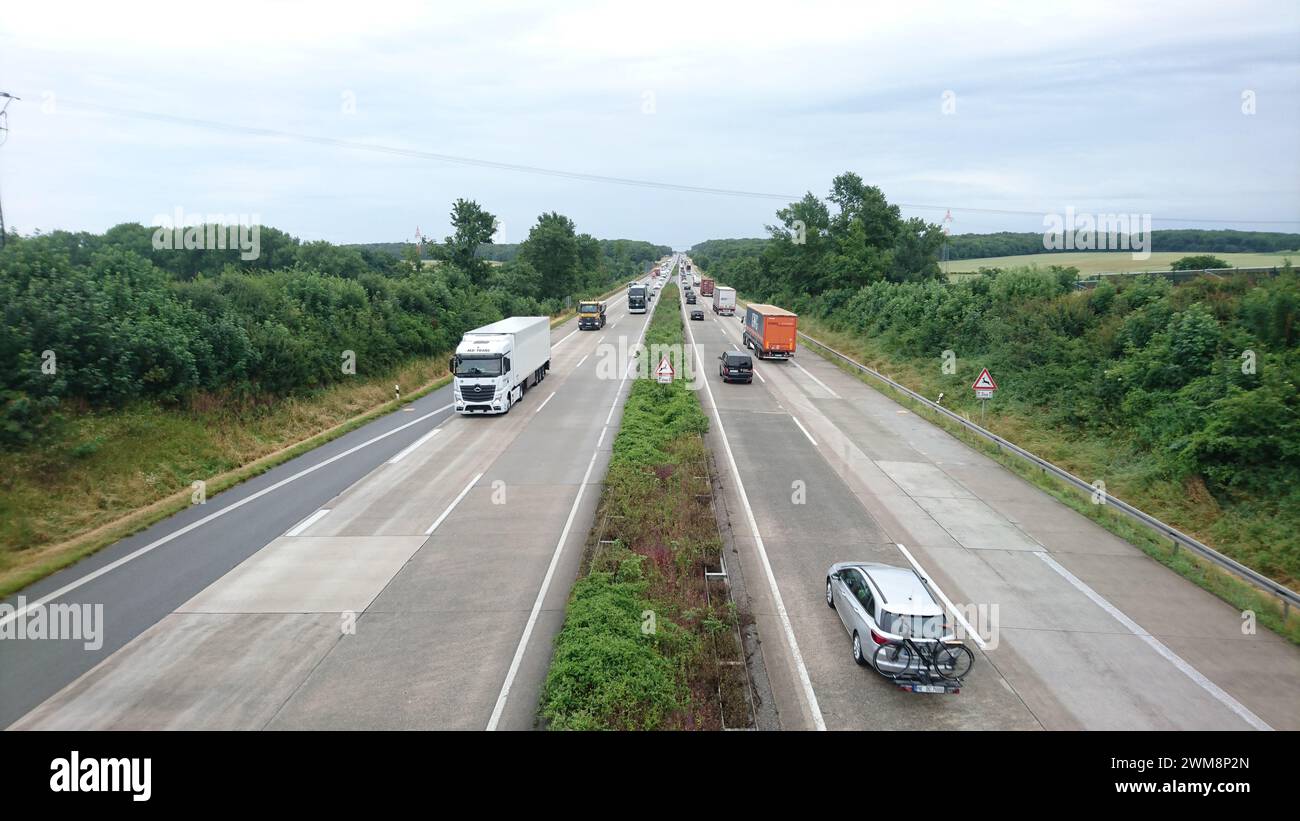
(494, 365)
(724, 301)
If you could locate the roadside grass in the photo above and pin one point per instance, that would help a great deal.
(1105, 262)
(1250, 531)
(646, 642)
(110, 474)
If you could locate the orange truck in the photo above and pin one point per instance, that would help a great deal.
(706, 287)
(771, 331)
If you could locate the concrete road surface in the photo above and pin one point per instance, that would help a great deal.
(415, 582)
(1083, 630)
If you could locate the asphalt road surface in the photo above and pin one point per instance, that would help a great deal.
(414, 578)
(1090, 632)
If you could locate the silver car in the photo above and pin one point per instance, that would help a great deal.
(880, 603)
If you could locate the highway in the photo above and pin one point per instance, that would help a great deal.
(1091, 633)
(409, 575)
(413, 574)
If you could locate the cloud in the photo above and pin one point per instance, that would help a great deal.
(1134, 104)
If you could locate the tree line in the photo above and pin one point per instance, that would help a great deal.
(1008, 243)
(99, 320)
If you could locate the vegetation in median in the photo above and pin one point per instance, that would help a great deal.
(644, 634)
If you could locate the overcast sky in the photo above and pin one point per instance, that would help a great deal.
(1112, 107)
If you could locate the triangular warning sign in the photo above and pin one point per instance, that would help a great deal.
(664, 373)
(984, 382)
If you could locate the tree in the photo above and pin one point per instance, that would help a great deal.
(473, 227)
(1197, 262)
(552, 249)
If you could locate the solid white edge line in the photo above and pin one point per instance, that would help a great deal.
(825, 387)
(1186, 669)
(518, 658)
(603, 430)
(805, 681)
(970, 631)
(135, 554)
(805, 430)
(544, 401)
(409, 449)
(306, 523)
(453, 504)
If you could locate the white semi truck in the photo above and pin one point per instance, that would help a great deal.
(724, 300)
(494, 365)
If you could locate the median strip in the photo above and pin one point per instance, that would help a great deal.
(650, 639)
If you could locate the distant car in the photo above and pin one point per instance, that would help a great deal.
(690, 298)
(697, 314)
(879, 603)
(734, 366)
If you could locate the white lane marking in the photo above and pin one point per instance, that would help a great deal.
(453, 504)
(615, 322)
(1186, 669)
(409, 449)
(805, 430)
(562, 341)
(135, 554)
(815, 379)
(970, 631)
(504, 695)
(544, 401)
(308, 522)
(760, 376)
(580, 361)
(809, 696)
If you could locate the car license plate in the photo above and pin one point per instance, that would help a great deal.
(928, 688)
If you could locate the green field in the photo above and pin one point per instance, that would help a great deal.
(1104, 262)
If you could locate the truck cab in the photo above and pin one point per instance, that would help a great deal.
(591, 315)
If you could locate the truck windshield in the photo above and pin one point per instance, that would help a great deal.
(589, 309)
(478, 366)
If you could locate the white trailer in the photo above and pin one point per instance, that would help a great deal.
(724, 300)
(496, 364)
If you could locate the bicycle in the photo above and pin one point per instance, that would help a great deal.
(950, 660)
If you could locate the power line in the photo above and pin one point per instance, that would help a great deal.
(552, 172)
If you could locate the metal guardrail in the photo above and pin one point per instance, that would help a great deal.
(1288, 596)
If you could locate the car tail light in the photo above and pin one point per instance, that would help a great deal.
(879, 639)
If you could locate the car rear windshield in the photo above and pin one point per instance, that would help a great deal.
(738, 361)
(916, 627)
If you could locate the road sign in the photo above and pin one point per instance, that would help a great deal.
(983, 394)
(984, 382)
(664, 373)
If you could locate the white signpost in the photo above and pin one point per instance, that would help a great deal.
(984, 387)
(664, 373)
